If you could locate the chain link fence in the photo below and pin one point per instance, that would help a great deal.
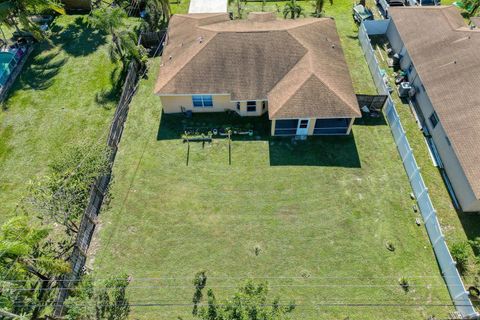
(453, 280)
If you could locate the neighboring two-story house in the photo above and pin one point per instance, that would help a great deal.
(294, 70)
(441, 55)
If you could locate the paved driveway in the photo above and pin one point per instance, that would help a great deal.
(207, 6)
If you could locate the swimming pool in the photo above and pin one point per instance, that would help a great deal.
(8, 62)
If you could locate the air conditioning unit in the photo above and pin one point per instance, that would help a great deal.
(404, 89)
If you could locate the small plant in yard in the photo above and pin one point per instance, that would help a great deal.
(404, 284)
(319, 7)
(200, 281)
(249, 303)
(257, 250)
(292, 10)
(390, 246)
(473, 292)
(459, 251)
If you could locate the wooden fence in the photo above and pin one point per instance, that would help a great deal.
(98, 192)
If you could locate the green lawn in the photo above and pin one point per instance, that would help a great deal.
(319, 211)
(53, 104)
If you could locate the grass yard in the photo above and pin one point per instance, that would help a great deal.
(319, 211)
(310, 217)
(63, 96)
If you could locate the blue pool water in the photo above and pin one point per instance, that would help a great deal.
(7, 64)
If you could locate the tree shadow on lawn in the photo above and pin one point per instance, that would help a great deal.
(339, 151)
(77, 38)
(39, 71)
(105, 97)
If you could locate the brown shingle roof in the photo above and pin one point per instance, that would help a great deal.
(446, 55)
(260, 58)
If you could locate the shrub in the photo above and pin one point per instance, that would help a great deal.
(404, 284)
(459, 251)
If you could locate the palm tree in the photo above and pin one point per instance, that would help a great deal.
(239, 7)
(124, 41)
(15, 12)
(29, 257)
(157, 15)
(293, 10)
(471, 7)
(319, 7)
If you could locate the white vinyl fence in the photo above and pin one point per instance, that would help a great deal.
(447, 265)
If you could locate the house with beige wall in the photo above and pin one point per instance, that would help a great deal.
(440, 54)
(293, 70)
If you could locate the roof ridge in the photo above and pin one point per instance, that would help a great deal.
(185, 63)
(333, 91)
(300, 85)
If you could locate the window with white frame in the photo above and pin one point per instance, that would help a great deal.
(251, 106)
(202, 101)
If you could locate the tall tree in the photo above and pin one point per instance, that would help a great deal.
(157, 15)
(29, 257)
(471, 7)
(238, 5)
(124, 46)
(16, 12)
(319, 4)
(293, 10)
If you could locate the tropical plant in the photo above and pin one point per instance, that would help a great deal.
(319, 4)
(293, 10)
(16, 12)
(157, 14)
(61, 198)
(28, 257)
(103, 300)
(471, 7)
(199, 282)
(249, 303)
(238, 4)
(124, 46)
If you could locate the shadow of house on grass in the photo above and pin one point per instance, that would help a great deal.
(339, 151)
(173, 126)
(327, 151)
(370, 121)
(78, 38)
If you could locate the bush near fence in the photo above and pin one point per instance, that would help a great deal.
(447, 265)
(98, 191)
